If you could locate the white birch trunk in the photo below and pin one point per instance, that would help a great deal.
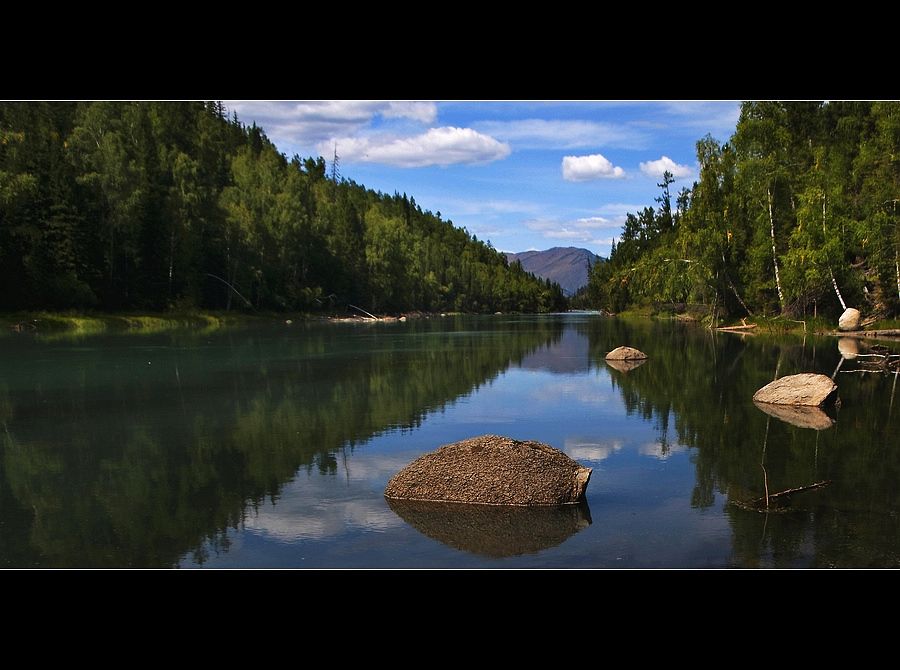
(830, 271)
(774, 253)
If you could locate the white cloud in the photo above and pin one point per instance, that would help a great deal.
(657, 168)
(583, 231)
(300, 514)
(486, 209)
(560, 134)
(590, 449)
(659, 450)
(423, 112)
(589, 168)
(302, 125)
(311, 113)
(439, 146)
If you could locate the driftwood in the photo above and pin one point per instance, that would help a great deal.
(359, 309)
(749, 328)
(743, 328)
(877, 363)
(777, 502)
(866, 334)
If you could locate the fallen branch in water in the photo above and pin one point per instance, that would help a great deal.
(744, 326)
(777, 500)
(363, 311)
(878, 362)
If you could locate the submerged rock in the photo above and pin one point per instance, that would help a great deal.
(492, 470)
(805, 389)
(625, 354)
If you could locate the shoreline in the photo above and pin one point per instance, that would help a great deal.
(72, 322)
(75, 322)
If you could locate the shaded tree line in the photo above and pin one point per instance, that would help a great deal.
(160, 205)
(796, 215)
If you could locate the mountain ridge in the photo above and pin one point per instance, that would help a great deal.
(567, 266)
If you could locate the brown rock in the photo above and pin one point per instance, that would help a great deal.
(625, 354)
(806, 389)
(492, 470)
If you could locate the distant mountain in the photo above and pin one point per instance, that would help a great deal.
(567, 266)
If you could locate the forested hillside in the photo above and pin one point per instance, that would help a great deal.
(158, 205)
(797, 214)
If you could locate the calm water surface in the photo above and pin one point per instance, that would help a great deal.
(271, 446)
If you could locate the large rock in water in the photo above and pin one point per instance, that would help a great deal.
(806, 389)
(492, 470)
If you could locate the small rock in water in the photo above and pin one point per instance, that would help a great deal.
(625, 354)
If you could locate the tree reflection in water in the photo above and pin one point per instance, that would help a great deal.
(175, 449)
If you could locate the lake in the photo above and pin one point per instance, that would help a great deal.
(270, 446)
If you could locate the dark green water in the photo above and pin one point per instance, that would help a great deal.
(270, 447)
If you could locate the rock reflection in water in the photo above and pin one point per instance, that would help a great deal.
(797, 415)
(625, 364)
(496, 531)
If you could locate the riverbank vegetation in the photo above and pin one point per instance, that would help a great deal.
(175, 208)
(87, 323)
(155, 207)
(796, 216)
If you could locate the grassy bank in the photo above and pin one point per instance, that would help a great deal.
(759, 325)
(71, 322)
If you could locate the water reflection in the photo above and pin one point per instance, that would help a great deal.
(625, 365)
(803, 417)
(186, 448)
(131, 451)
(496, 531)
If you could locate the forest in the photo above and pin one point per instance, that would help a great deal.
(153, 206)
(796, 215)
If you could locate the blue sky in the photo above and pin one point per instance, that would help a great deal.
(520, 174)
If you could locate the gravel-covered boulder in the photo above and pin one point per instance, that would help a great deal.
(492, 470)
(805, 389)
